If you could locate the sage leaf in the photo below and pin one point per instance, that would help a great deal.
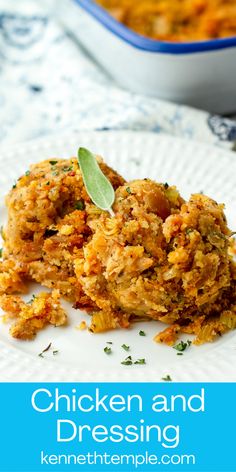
(97, 185)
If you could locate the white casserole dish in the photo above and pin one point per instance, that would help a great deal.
(201, 74)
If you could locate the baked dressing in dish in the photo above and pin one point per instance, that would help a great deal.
(176, 20)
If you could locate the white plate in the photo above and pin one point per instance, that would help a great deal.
(192, 167)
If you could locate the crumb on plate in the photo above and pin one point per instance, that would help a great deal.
(43, 309)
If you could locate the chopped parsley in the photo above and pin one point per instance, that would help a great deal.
(107, 350)
(55, 352)
(140, 361)
(189, 230)
(14, 185)
(167, 378)
(109, 342)
(128, 190)
(67, 168)
(79, 205)
(53, 163)
(127, 361)
(142, 333)
(125, 347)
(166, 185)
(27, 172)
(181, 346)
(31, 300)
(1, 252)
(45, 350)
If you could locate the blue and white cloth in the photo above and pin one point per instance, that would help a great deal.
(48, 85)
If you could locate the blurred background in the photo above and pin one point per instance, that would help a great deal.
(50, 83)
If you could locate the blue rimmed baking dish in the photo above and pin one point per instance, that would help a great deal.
(201, 73)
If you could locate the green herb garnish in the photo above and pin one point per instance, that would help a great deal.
(109, 342)
(142, 333)
(31, 300)
(140, 361)
(181, 346)
(125, 347)
(45, 350)
(80, 205)
(27, 172)
(14, 185)
(127, 361)
(167, 378)
(166, 185)
(55, 352)
(1, 252)
(53, 163)
(96, 183)
(128, 190)
(67, 168)
(107, 350)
